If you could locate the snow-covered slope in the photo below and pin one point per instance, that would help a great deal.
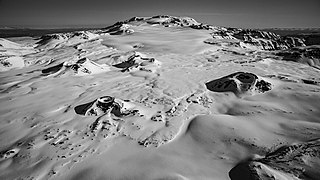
(11, 54)
(80, 67)
(66, 39)
(295, 161)
(307, 55)
(245, 38)
(159, 97)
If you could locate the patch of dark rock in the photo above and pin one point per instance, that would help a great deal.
(300, 160)
(265, 40)
(114, 29)
(201, 26)
(297, 53)
(6, 63)
(238, 83)
(104, 105)
(246, 77)
(222, 85)
(161, 16)
(128, 63)
(306, 81)
(263, 86)
(242, 171)
(125, 64)
(52, 69)
(116, 110)
(105, 102)
(116, 33)
(82, 109)
(136, 19)
(312, 82)
(101, 106)
(82, 60)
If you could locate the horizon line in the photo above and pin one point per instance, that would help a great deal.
(36, 27)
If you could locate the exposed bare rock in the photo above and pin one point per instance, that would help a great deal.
(172, 21)
(307, 55)
(133, 61)
(259, 39)
(12, 54)
(159, 97)
(80, 67)
(124, 27)
(296, 161)
(64, 39)
(105, 105)
(119, 28)
(8, 154)
(294, 41)
(249, 38)
(239, 83)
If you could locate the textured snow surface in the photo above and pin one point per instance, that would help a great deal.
(159, 98)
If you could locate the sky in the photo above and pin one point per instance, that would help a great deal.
(100, 13)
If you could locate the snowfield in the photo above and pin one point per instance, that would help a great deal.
(159, 97)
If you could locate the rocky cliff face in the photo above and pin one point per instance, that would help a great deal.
(307, 55)
(260, 39)
(296, 161)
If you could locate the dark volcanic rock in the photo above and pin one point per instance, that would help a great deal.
(296, 161)
(52, 69)
(263, 86)
(119, 28)
(261, 39)
(132, 61)
(239, 83)
(100, 106)
(307, 55)
(82, 66)
(105, 105)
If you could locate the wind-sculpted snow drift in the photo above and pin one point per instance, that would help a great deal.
(67, 39)
(159, 97)
(80, 67)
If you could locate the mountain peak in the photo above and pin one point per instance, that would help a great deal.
(165, 20)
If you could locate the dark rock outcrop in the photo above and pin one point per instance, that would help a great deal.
(296, 161)
(82, 66)
(52, 69)
(97, 107)
(239, 83)
(307, 55)
(133, 61)
(119, 28)
(64, 39)
(261, 39)
(104, 105)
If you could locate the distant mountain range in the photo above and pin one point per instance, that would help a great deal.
(6, 32)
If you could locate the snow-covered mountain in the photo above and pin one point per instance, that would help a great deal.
(67, 39)
(245, 38)
(159, 97)
(248, 38)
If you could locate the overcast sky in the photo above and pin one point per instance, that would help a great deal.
(99, 13)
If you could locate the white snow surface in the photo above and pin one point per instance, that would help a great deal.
(171, 98)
